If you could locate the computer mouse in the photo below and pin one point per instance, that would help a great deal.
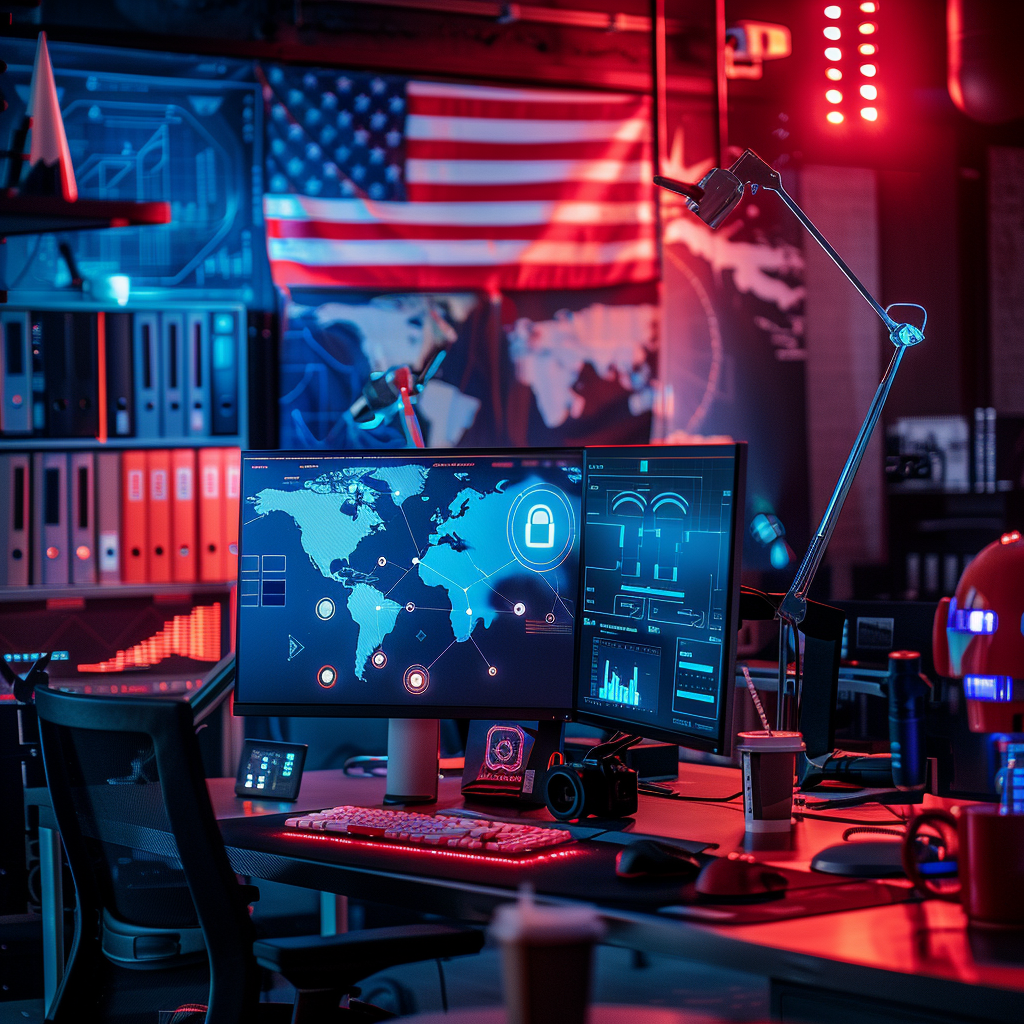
(740, 878)
(647, 858)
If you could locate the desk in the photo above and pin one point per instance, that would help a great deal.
(918, 956)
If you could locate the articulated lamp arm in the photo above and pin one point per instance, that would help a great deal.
(713, 199)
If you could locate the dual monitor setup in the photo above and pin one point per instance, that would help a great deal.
(599, 585)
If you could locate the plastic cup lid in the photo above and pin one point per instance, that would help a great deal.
(778, 742)
(527, 921)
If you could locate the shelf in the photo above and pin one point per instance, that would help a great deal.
(33, 215)
(26, 442)
(118, 590)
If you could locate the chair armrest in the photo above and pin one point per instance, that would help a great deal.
(340, 961)
(250, 893)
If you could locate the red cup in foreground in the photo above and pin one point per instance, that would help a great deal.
(989, 852)
(768, 762)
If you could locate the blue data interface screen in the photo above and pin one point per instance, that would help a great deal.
(658, 561)
(390, 580)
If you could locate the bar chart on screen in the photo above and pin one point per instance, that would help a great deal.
(625, 673)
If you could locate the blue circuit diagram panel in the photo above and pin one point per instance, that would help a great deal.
(144, 127)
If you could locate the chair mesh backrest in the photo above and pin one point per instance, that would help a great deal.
(129, 795)
(114, 786)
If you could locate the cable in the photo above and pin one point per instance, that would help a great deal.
(841, 821)
(895, 814)
(880, 830)
(650, 789)
(28, 263)
(444, 987)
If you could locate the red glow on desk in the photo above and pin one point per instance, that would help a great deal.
(544, 857)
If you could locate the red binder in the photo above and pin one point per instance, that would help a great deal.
(158, 469)
(183, 515)
(211, 515)
(134, 552)
(232, 485)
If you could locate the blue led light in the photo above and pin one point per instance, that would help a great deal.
(993, 688)
(971, 620)
(778, 554)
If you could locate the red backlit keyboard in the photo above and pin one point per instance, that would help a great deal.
(409, 828)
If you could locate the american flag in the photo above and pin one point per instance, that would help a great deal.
(378, 181)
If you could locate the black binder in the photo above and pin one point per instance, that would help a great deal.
(120, 386)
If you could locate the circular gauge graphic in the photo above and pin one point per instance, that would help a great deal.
(541, 527)
(327, 676)
(416, 679)
(324, 608)
(378, 659)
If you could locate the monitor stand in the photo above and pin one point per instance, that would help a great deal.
(413, 745)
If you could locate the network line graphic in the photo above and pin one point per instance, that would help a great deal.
(553, 621)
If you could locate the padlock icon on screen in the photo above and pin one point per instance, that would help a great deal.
(540, 527)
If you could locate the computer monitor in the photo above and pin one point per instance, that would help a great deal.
(408, 584)
(660, 591)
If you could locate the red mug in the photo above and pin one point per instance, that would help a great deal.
(990, 863)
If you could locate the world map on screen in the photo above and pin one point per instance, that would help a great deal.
(402, 545)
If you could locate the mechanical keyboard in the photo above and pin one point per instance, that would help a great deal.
(409, 828)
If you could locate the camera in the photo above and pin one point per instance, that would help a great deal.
(601, 785)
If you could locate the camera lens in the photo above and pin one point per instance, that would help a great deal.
(564, 794)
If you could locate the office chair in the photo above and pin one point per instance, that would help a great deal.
(162, 922)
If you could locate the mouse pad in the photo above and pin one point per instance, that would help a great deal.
(807, 893)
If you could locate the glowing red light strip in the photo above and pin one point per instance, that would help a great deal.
(440, 851)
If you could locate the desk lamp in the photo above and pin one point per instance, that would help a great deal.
(712, 200)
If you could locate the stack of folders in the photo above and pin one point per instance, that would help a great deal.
(171, 374)
(109, 517)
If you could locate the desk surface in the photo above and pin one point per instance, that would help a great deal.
(920, 954)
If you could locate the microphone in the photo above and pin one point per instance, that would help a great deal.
(908, 693)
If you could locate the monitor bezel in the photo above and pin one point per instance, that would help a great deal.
(723, 742)
(480, 712)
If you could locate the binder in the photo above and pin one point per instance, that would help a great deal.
(50, 518)
(82, 518)
(211, 515)
(197, 380)
(120, 384)
(232, 461)
(108, 516)
(50, 332)
(134, 535)
(16, 374)
(158, 476)
(172, 362)
(83, 351)
(147, 375)
(183, 515)
(14, 519)
(224, 374)
(70, 361)
(40, 415)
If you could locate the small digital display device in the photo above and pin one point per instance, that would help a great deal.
(269, 770)
(660, 591)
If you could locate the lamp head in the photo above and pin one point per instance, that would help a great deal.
(713, 199)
